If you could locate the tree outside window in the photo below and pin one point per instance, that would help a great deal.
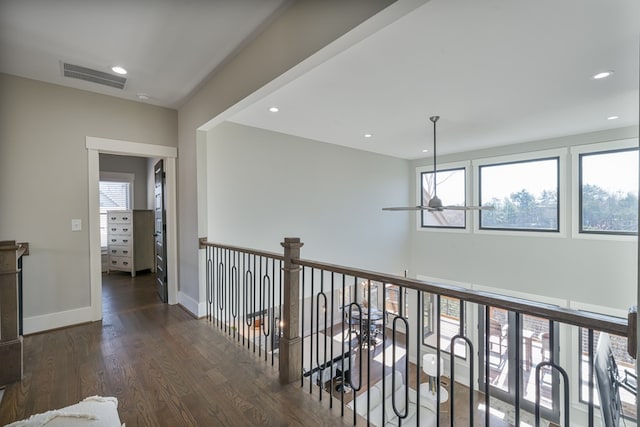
(609, 192)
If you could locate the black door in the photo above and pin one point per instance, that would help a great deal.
(160, 232)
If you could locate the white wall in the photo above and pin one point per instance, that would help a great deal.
(599, 272)
(264, 186)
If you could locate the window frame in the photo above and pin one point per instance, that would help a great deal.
(468, 195)
(576, 202)
(563, 210)
(465, 320)
(578, 398)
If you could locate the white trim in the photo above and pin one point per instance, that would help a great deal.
(563, 198)
(580, 407)
(95, 146)
(60, 319)
(116, 146)
(117, 176)
(198, 309)
(575, 186)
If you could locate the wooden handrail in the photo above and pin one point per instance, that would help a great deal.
(601, 322)
(204, 243)
(584, 319)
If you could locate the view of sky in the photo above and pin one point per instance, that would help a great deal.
(617, 171)
(500, 181)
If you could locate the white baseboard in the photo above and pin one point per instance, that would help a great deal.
(196, 308)
(60, 319)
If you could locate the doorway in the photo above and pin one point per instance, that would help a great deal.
(95, 146)
(517, 343)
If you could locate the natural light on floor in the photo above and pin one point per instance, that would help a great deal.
(388, 355)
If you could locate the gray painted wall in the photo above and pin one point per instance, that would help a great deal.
(43, 179)
(130, 164)
(296, 33)
(327, 195)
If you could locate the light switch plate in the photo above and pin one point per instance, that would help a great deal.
(76, 225)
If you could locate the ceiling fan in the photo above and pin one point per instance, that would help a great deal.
(435, 204)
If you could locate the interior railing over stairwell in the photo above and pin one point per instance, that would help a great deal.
(398, 351)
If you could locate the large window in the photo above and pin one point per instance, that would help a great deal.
(451, 323)
(524, 194)
(450, 185)
(623, 362)
(609, 192)
(115, 194)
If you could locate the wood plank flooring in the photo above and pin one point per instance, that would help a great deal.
(165, 367)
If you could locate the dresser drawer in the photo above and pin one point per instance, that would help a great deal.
(119, 217)
(124, 251)
(120, 262)
(119, 240)
(117, 228)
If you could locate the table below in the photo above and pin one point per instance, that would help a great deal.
(425, 391)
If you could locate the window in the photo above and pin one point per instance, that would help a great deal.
(524, 194)
(396, 301)
(451, 320)
(115, 194)
(451, 190)
(510, 376)
(608, 183)
(624, 363)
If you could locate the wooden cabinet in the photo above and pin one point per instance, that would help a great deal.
(130, 240)
(11, 310)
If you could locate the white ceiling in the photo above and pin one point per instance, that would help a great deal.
(496, 71)
(168, 46)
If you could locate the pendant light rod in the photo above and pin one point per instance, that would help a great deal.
(434, 119)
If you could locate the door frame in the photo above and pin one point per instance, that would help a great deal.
(95, 146)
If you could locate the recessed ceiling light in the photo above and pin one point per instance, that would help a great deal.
(274, 109)
(118, 69)
(613, 117)
(142, 96)
(367, 135)
(425, 151)
(602, 75)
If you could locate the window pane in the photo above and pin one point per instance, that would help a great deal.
(451, 190)
(450, 320)
(114, 195)
(624, 363)
(525, 195)
(609, 192)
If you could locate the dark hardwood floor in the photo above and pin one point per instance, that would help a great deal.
(165, 367)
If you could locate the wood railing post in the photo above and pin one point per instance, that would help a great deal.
(291, 342)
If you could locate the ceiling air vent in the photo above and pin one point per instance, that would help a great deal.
(95, 76)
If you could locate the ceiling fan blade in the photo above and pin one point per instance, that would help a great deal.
(470, 208)
(408, 208)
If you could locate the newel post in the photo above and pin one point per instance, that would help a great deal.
(290, 342)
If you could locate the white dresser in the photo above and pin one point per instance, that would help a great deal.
(130, 240)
